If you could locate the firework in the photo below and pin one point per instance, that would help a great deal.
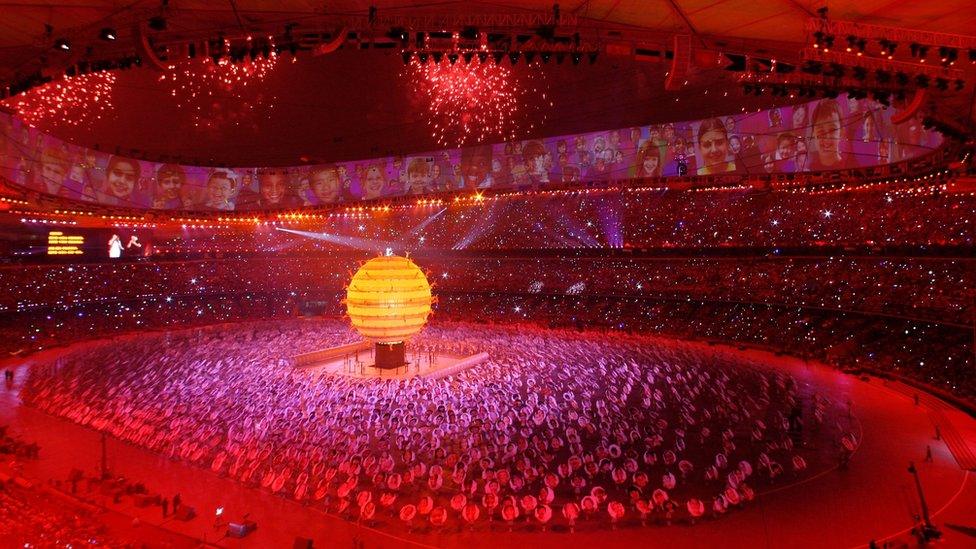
(74, 101)
(477, 101)
(208, 88)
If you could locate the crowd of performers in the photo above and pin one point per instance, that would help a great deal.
(558, 427)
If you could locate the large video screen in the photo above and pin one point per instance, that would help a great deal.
(70, 242)
(827, 134)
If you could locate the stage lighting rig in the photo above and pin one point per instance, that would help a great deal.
(888, 48)
(157, 23)
(948, 55)
(855, 43)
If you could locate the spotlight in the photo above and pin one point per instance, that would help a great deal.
(437, 56)
(951, 54)
(972, 56)
(737, 62)
(545, 56)
(407, 56)
(422, 57)
(887, 48)
(851, 42)
(468, 56)
(529, 57)
(483, 56)
(401, 34)
(498, 56)
(577, 58)
(452, 57)
(62, 44)
(812, 67)
(514, 57)
(108, 34)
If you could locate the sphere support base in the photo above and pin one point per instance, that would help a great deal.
(390, 355)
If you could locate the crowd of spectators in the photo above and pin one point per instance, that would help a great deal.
(934, 288)
(586, 219)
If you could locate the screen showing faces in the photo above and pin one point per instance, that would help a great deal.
(827, 134)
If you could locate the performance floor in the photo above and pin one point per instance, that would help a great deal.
(874, 498)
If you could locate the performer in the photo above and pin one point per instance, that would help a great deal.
(133, 241)
(115, 247)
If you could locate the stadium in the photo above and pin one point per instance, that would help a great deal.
(487, 274)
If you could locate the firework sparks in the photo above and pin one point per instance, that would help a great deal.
(74, 101)
(206, 87)
(476, 101)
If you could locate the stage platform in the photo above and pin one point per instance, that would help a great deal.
(357, 361)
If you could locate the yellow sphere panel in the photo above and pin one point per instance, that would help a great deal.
(388, 299)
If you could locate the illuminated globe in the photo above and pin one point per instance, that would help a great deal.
(388, 299)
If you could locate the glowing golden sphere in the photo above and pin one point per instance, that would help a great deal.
(388, 299)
